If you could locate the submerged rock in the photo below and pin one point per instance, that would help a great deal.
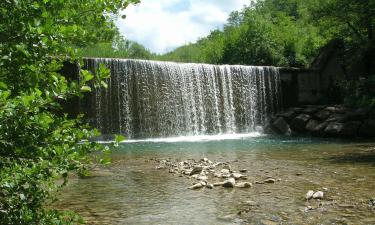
(269, 181)
(196, 186)
(244, 185)
(230, 183)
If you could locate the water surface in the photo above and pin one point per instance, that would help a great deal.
(132, 191)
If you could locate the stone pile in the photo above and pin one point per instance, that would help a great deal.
(324, 121)
(206, 173)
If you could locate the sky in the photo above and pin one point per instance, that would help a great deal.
(163, 25)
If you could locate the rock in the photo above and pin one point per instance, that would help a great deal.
(204, 160)
(319, 129)
(196, 170)
(311, 125)
(227, 167)
(196, 186)
(310, 110)
(244, 185)
(230, 183)
(280, 126)
(243, 170)
(318, 195)
(336, 118)
(299, 123)
(269, 181)
(237, 176)
(288, 115)
(337, 109)
(209, 186)
(224, 171)
(367, 129)
(202, 177)
(218, 184)
(309, 195)
(322, 115)
(334, 129)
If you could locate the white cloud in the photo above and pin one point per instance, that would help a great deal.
(162, 25)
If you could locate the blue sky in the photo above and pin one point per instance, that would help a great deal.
(163, 25)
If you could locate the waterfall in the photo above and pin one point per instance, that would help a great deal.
(163, 99)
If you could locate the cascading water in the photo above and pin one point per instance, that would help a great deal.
(163, 99)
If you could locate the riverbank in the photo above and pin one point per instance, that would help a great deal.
(324, 121)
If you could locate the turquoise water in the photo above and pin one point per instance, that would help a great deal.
(132, 191)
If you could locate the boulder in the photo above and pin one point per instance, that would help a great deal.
(311, 125)
(230, 183)
(319, 129)
(310, 110)
(336, 118)
(367, 129)
(288, 115)
(322, 115)
(334, 129)
(299, 123)
(280, 126)
(337, 109)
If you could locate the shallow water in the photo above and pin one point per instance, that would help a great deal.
(132, 191)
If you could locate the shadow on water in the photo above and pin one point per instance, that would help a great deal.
(367, 157)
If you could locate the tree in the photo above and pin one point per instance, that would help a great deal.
(38, 143)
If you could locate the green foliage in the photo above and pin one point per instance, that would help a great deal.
(270, 32)
(38, 143)
(359, 93)
(118, 49)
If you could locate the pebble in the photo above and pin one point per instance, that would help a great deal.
(318, 195)
(224, 171)
(309, 195)
(196, 186)
(218, 184)
(196, 170)
(269, 181)
(237, 176)
(244, 185)
(243, 170)
(230, 183)
(209, 186)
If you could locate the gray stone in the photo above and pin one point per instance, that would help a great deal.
(318, 195)
(319, 129)
(237, 176)
(224, 171)
(288, 115)
(337, 109)
(280, 126)
(336, 118)
(209, 186)
(367, 129)
(269, 181)
(202, 177)
(311, 125)
(322, 115)
(244, 185)
(196, 170)
(334, 129)
(299, 123)
(230, 183)
(309, 195)
(310, 110)
(218, 184)
(196, 186)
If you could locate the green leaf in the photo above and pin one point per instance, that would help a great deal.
(86, 88)
(119, 138)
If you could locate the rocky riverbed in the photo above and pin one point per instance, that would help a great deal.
(292, 181)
